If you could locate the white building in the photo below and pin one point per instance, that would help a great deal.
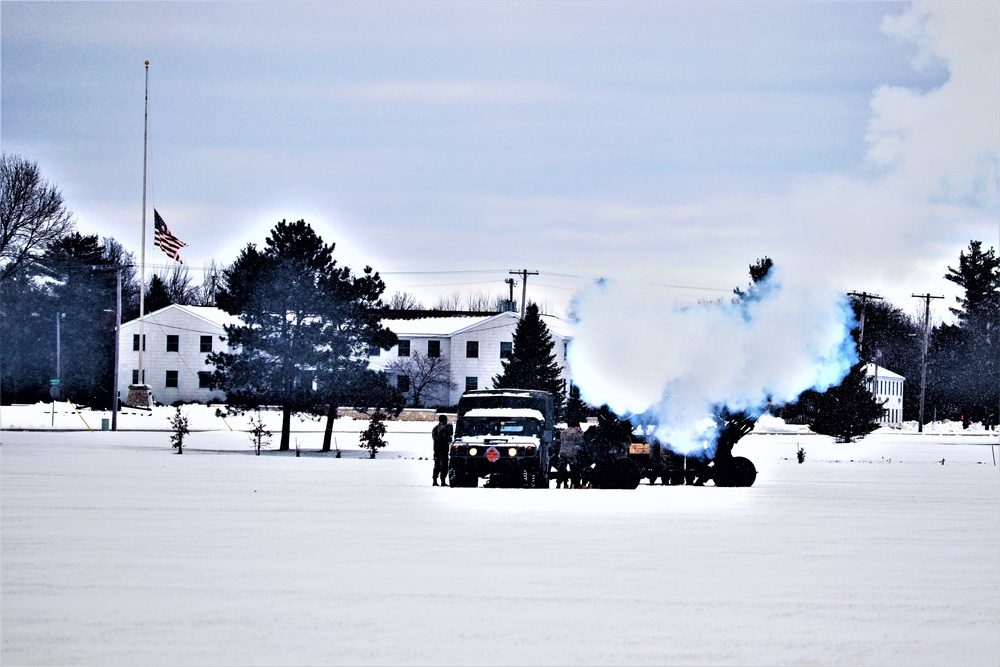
(887, 387)
(474, 347)
(178, 341)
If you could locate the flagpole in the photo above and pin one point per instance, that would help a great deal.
(138, 393)
(142, 254)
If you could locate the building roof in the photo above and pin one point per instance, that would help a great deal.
(209, 314)
(450, 326)
(883, 373)
(433, 326)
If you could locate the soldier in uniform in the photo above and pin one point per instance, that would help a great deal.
(441, 434)
(571, 443)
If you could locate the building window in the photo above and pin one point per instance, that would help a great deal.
(472, 349)
(374, 351)
(403, 383)
(506, 349)
(565, 349)
(204, 380)
(135, 375)
(171, 380)
(433, 348)
(404, 348)
(173, 344)
(206, 343)
(471, 383)
(135, 342)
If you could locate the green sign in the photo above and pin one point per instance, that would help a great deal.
(54, 381)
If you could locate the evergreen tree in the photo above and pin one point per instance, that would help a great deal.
(966, 357)
(533, 365)
(576, 409)
(82, 293)
(759, 270)
(848, 412)
(306, 325)
(156, 295)
(27, 339)
(75, 276)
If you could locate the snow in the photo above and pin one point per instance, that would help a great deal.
(514, 413)
(434, 326)
(116, 551)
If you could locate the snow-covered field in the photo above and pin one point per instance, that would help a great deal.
(116, 551)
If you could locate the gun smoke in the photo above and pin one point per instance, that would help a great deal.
(675, 364)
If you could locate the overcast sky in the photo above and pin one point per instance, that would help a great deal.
(655, 144)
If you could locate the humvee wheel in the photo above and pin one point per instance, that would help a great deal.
(459, 479)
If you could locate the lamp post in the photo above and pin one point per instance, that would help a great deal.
(54, 389)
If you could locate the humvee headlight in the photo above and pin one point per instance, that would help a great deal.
(473, 451)
(512, 452)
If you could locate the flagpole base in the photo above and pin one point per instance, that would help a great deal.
(140, 396)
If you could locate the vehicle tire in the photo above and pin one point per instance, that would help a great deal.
(625, 474)
(538, 479)
(738, 471)
(462, 479)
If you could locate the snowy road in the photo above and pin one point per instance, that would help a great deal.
(115, 551)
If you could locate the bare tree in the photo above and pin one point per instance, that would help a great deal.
(179, 287)
(205, 294)
(426, 375)
(32, 214)
(403, 301)
(452, 302)
(481, 302)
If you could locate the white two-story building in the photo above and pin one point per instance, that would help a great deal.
(178, 340)
(474, 346)
(887, 387)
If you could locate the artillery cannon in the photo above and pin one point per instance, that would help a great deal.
(724, 469)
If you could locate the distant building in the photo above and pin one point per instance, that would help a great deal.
(178, 341)
(888, 387)
(474, 345)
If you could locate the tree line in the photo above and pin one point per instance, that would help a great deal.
(308, 321)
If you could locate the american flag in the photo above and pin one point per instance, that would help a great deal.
(164, 240)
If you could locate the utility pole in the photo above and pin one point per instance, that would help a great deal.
(118, 332)
(923, 362)
(524, 273)
(863, 296)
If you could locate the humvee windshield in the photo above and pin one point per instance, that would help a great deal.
(480, 426)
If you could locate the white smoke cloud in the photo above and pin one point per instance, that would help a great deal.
(678, 362)
(932, 181)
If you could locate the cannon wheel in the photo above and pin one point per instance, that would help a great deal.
(738, 471)
(625, 474)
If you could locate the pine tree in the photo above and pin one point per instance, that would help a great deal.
(576, 409)
(849, 411)
(306, 325)
(373, 437)
(532, 364)
(156, 295)
(971, 379)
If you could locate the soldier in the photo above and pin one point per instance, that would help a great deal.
(572, 441)
(441, 434)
